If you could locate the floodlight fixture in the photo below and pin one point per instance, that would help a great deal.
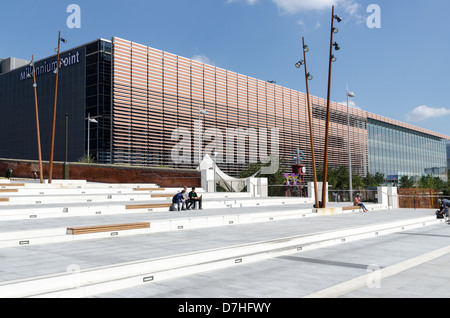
(299, 64)
(338, 18)
(309, 77)
(305, 48)
(336, 46)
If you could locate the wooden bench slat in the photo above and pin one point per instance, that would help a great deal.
(149, 189)
(349, 208)
(148, 206)
(4, 199)
(162, 195)
(9, 190)
(107, 228)
(12, 184)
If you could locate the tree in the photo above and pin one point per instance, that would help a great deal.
(273, 179)
(337, 178)
(407, 182)
(432, 183)
(358, 182)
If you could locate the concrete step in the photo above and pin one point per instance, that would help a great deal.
(103, 279)
(176, 223)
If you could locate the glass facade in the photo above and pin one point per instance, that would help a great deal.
(148, 106)
(397, 151)
(157, 101)
(98, 99)
(158, 96)
(18, 139)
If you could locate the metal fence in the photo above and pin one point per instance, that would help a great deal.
(418, 199)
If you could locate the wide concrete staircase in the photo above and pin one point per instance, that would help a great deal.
(79, 239)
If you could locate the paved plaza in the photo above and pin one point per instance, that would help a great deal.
(236, 247)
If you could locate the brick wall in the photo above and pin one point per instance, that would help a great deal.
(164, 177)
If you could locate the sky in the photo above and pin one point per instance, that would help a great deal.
(394, 55)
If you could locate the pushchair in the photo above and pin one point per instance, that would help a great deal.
(441, 213)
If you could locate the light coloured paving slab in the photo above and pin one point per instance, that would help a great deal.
(106, 252)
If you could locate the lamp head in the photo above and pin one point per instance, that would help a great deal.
(299, 64)
(333, 58)
(63, 40)
(336, 46)
(309, 77)
(338, 18)
(305, 48)
(335, 30)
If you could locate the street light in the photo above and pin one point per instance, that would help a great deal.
(54, 107)
(41, 175)
(94, 121)
(308, 77)
(331, 59)
(349, 94)
(215, 153)
(299, 64)
(204, 113)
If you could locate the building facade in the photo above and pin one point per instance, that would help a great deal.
(155, 108)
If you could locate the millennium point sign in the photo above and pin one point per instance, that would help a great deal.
(45, 67)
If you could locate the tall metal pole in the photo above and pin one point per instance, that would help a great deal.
(41, 173)
(349, 148)
(89, 139)
(316, 191)
(327, 131)
(67, 139)
(50, 178)
(66, 174)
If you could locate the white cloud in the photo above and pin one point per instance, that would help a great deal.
(202, 59)
(303, 25)
(351, 104)
(351, 7)
(250, 2)
(424, 112)
(295, 6)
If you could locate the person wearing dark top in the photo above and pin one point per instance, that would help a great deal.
(443, 206)
(178, 199)
(193, 198)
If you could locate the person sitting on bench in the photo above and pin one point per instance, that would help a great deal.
(178, 199)
(193, 198)
(360, 204)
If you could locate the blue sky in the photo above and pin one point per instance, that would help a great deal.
(398, 71)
